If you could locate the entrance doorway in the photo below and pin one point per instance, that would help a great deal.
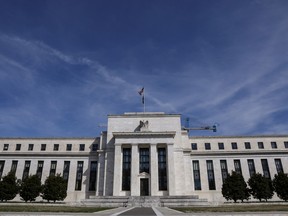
(144, 187)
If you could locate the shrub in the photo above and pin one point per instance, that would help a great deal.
(8, 187)
(280, 183)
(30, 188)
(235, 188)
(55, 188)
(260, 187)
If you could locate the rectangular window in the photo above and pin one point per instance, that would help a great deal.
(43, 147)
(265, 168)
(210, 173)
(40, 169)
(26, 170)
(94, 147)
(2, 163)
(162, 169)
(220, 146)
(251, 167)
(78, 185)
(14, 166)
(18, 147)
(56, 147)
(237, 166)
(6, 147)
(247, 145)
(260, 145)
(68, 147)
(126, 169)
(224, 169)
(30, 147)
(66, 170)
(194, 146)
(274, 145)
(82, 147)
(196, 175)
(279, 166)
(234, 145)
(286, 144)
(207, 146)
(93, 176)
(144, 160)
(53, 168)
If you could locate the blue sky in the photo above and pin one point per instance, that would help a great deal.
(66, 64)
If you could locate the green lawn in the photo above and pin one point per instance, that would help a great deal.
(236, 208)
(43, 208)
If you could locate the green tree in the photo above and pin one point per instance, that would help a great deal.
(260, 187)
(8, 187)
(55, 188)
(235, 188)
(280, 183)
(30, 188)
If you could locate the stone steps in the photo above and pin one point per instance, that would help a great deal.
(144, 201)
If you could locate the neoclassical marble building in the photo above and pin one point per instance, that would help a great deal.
(144, 154)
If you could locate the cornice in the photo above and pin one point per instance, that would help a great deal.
(143, 134)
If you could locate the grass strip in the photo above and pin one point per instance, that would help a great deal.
(41, 208)
(234, 208)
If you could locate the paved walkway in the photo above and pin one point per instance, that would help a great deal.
(158, 211)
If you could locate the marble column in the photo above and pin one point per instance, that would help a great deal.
(100, 173)
(154, 188)
(117, 170)
(171, 171)
(135, 182)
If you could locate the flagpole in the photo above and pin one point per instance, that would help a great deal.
(144, 100)
(142, 94)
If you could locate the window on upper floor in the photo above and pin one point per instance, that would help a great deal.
(207, 146)
(30, 147)
(2, 163)
(94, 147)
(237, 165)
(251, 167)
(210, 174)
(53, 168)
(196, 174)
(82, 147)
(274, 145)
(68, 147)
(247, 145)
(234, 145)
(260, 145)
(286, 144)
(79, 174)
(56, 147)
(18, 147)
(14, 166)
(220, 145)
(43, 147)
(194, 146)
(6, 147)
(265, 168)
(279, 166)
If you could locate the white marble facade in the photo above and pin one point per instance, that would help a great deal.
(139, 148)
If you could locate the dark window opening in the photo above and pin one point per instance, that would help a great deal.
(162, 169)
(126, 169)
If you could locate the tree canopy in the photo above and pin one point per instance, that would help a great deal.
(8, 187)
(55, 188)
(235, 188)
(260, 187)
(30, 188)
(280, 183)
